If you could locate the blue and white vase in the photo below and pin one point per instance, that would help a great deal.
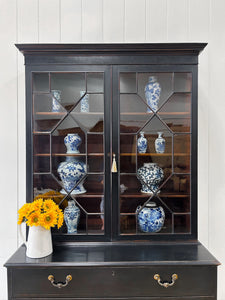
(152, 94)
(150, 218)
(71, 216)
(72, 141)
(72, 170)
(160, 143)
(150, 176)
(56, 99)
(142, 143)
(84, 104)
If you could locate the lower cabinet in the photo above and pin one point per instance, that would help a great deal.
(167, 272)
(114, 282)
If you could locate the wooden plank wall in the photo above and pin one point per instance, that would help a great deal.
(100, 21)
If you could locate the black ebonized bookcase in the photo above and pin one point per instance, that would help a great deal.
(111, 257)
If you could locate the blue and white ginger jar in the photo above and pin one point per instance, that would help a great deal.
(56, 99)
(152, 94)
(160, 143)
(72, 170)
(142, 143)
(150, 176)
(84, 104)
(150, 218)
(71, 216)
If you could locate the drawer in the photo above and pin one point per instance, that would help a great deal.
(114, 282)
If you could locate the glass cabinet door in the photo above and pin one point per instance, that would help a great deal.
(69, 146)
(154, 153)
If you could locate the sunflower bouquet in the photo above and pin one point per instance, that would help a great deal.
(45, 213)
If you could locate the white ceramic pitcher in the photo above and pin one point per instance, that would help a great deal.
(39, 243)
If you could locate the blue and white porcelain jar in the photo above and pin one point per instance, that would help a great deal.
(72, 141)
(160, 143)
(150, 176)
(84, 104)
(71, 216)
(152, 94)
(56, 99)
(72, 170)
(150, 218)
(142, 143)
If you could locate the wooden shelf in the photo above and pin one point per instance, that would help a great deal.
(172, 113)
(49, 113)
(154, 154)
(67, 154)
(142, 195)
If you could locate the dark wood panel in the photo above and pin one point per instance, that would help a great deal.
(115, 281)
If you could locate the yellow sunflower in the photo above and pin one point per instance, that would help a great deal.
(49, 204)
(33, 219)
(37, 205)
(49, 219)
(60, 217)
(24, 212)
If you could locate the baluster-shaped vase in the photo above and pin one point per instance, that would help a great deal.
(142, 143)
(152, 94)
(160, 143)
(72, 170)
(71, 216)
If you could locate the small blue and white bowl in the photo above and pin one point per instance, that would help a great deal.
(150, 218)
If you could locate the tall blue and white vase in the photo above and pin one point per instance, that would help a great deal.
(150, 218)
(72, 170)
(142, 143)
(160, 143)
(152, 94)
(56, 99)
(72, 216)
(84, 104)
(150, 176)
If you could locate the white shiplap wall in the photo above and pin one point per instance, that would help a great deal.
(109, 21)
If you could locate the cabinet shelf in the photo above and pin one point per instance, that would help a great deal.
(154, 154)
(49, 113)
(170, 113)
(142, 195)
(67, 154)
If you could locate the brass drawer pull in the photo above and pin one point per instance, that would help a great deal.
(166, 284)
(59, 284)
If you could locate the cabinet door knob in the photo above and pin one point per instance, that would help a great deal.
(59, 284)
(166, 284)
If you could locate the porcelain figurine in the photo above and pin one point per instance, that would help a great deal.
(150, 176)
(72, 170)
(84, 104)
(71, 216)
(160, 143)
(152, 94)
(56, 99)
(150, 218)
(142, 143)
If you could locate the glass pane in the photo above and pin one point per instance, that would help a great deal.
(182, 223)
(72, 112)
(41, 82)
(70, 86)
(41, 153)
(182, 82)
(45, 119)
(176, 112)
(182, 153)
(95, 82)
(155, 87)
(128, 83)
